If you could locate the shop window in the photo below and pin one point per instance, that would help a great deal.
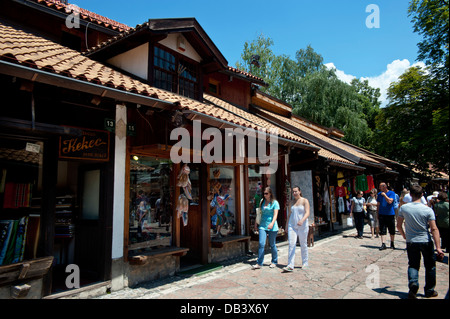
(222, 201)
(175, 74)
(21, 164)
(150, 207)
(255, 191)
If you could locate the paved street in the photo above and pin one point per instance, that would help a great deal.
(340, 267)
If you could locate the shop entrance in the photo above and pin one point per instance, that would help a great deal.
(191, 231)
(78, 217)
(88, 241)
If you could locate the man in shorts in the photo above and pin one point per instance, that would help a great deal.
(386, 214)
(417, 218)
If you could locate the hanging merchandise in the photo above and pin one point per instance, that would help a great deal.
(370, 184)
(361, 183)
(184, 182)
(182, 208)
(340, 178)
(326, 200)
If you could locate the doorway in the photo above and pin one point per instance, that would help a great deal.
(79, 236)
(191, 231)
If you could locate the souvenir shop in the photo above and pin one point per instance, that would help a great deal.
(333, 194)
(55, 181)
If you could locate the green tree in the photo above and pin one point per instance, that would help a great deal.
(314, 92)
(406, 130)
(328, 101)
(414, 127)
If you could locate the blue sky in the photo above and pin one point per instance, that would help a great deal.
(335, 29)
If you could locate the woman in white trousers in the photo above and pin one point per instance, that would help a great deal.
(298, 227)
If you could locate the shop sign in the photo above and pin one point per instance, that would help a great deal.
(89, 145)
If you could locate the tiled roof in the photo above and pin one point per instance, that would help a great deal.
(84, 14)
(251, 118)
(244, 73)
(27, 49)
(299, 124)
(264, 123)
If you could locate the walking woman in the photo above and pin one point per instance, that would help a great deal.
(372, 211)
(357, 212)
(268, 226)
(298, 227)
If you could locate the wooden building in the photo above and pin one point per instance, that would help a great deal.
(88, 116)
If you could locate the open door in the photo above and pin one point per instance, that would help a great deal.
(89, 237)
(191, 232)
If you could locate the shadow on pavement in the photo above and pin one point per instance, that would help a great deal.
(384, 290)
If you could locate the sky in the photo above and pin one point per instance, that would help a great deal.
(366, 39)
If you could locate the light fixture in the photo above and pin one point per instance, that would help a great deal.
(136, 158)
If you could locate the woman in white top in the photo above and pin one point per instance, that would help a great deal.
(372, 210)
(298, 227)
(357, 212)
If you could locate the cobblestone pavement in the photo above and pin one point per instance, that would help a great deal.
(340, 267)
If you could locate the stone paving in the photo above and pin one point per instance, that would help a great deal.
(340, 267)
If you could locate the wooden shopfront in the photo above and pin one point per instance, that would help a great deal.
(56, 174)
(179, 214)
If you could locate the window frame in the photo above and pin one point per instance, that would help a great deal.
(177, 80)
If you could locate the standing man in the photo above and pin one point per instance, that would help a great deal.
(386, 214)
(418, 241)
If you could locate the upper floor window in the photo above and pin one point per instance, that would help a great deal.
(173, 73)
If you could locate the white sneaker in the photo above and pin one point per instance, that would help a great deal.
(272, 265)
(305, 266)
(288, 269)
(257, 266)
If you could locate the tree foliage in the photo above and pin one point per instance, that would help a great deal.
(414, 127)
(315, 92)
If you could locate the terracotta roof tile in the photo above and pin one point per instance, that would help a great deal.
(84, 14)
(300, 125)
(21, 47)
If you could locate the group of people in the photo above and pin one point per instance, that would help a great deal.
(419, 223)
(297, 226)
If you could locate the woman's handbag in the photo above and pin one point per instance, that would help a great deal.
(258, 212)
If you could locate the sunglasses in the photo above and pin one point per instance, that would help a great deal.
(266, 193)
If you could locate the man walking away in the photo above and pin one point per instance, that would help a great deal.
(418, 242)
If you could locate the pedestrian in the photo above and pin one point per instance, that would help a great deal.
(268, 227)
(402, 197)
(357, 211)
(386, 214)
(441, 211)
(396, 202)
(408, 199)
(417, 217)
(372, 212)
(298, 227)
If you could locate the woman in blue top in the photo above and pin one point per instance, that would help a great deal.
(268, 226)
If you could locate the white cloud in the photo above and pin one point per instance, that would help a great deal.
(382, 81)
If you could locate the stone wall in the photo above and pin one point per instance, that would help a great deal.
(155, 268)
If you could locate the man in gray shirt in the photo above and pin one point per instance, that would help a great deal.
(417, 217)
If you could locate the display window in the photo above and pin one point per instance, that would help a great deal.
(255, 184)
(150, 206)
(222, 202)
(21, 165)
